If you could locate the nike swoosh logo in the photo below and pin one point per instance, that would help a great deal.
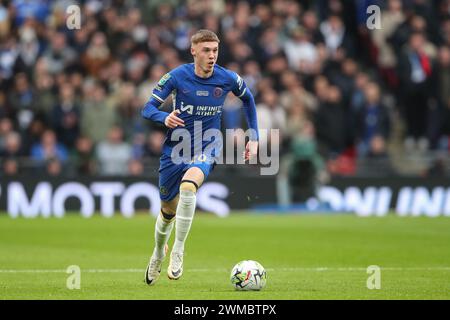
(147, 280)
(176, 273)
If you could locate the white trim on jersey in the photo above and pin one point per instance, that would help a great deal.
(174, 99)
(157, 98)
(243, 92)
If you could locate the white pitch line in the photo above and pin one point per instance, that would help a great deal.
(316, 269)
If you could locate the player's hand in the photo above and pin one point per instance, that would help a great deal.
(172, 121)
(251, 150)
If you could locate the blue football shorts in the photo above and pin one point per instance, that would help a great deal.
(170, 173)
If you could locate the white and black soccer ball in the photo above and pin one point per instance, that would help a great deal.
(248, 275)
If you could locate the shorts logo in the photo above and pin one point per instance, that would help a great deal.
(218, 92)
(163, 191)
(164, 79)
(199, 158)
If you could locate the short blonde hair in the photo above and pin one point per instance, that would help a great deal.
(204, 35)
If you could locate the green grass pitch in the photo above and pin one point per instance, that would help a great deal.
(306, 257)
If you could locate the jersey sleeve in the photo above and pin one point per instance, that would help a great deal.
(164, 87)
(240, 90)
(238, 86)
(162, 90)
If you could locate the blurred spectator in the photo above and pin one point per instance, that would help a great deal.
(84, 157)
(232, 113)
(3, 106)
(416, 70)
(4, 21)
(29, 47)
(444, 142)
(252, 74)
(97, 116)
(307, 165)
(136, 65)
(59, 55)
(377, 147)
(344, 78)
(297, 117)
(270, 116)
(413, 23)
(81, 40)
(97, 54)
(66, 116)
(146, 87)
(6, 127)
(128, 106)
(12, 146)
(53, 167)
(113, 154)
(276, 65)
(311, 24)
(437, 167)
(270, 43)
(138, 146)
(114, 74)
(171, 58)
(24, 10)
(444, 74)
(46, 98)
(135, 167)
(48, 148)
(321, 86)
(295, 92)
(330, 123)
(8, 57)
(33, 134)
(22, 99)
(372, 124)
(386, 58)
(357, 98)
(241, 52)
(153, 147)
(301, 52)
(10, 167)
(336, 36)
(444, 97)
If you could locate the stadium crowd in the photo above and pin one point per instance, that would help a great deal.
(70, 99)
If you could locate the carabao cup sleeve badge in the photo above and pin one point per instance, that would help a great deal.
(164, 79)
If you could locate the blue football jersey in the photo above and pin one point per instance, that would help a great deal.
(198, 99)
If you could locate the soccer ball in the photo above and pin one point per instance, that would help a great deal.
(248, 275)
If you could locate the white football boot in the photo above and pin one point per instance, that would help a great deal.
(175, 269)
(154, 268)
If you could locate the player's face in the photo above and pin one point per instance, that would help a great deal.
(205, 55)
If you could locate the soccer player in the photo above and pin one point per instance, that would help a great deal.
(199, 90)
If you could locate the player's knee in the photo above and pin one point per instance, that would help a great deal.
(167, 214)
(188, 186)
